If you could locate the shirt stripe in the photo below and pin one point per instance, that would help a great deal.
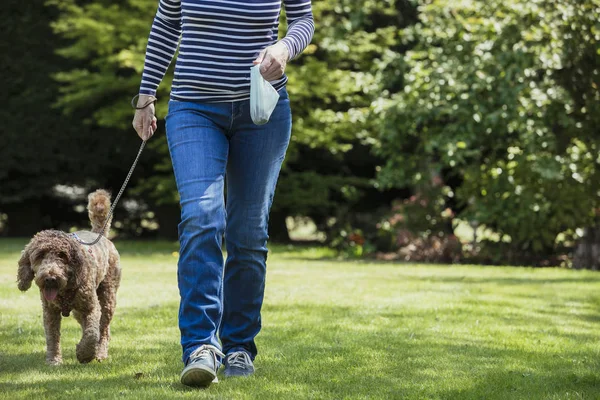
(218, 40)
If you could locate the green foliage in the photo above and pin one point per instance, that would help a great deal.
(332, 89)
(502, 99)
(109, 40)
(42, 146)
(36, 140)
(328, 166)
(498, 99)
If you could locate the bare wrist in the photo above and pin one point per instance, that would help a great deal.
(285, 49)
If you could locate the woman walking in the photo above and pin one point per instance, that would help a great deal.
(213, 142)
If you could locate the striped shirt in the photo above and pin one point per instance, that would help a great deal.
(219, 41)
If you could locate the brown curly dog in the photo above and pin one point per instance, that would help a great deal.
(72, 276)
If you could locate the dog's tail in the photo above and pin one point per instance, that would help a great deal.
(98, 207)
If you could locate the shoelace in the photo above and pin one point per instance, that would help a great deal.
(206, 351)
(239, 359)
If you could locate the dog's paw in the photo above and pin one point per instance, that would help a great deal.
(102, 355)
(54, 361)
(85, 352)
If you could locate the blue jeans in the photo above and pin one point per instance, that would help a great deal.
(213, 145)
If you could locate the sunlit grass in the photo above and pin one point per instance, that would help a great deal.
(331, 330)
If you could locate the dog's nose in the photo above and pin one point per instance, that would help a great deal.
(49, 280)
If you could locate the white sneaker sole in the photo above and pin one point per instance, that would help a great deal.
(198, 375)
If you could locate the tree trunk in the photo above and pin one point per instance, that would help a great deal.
(168, 217)
(587, 252)
(277, 227)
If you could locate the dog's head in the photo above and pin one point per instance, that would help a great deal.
(51, 260)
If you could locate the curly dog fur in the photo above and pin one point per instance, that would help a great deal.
(75, 277)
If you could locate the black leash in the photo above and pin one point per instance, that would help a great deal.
(114, 204)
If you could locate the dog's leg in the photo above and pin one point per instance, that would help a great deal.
(90, 321)
(107, 297)
(52, 328)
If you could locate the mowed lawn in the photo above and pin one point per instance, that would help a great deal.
(331, 330)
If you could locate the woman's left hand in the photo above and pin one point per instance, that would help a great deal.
(273, 61)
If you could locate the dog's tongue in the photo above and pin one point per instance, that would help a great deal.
(50, 293)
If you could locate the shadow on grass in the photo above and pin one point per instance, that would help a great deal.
(12, 245)
(511, 281)
(93, 381)
(146, 247)
(321, 352)
(356, 354)
(153, 247)
(143, 361)
(125, 247)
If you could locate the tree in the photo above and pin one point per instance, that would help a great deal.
(500, 98)
(38, 143)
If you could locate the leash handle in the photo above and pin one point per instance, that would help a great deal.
(134, 103)
(114, 204)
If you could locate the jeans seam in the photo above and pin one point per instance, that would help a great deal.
(232, 118)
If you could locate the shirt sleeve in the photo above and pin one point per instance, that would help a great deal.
(162, 44)
(301, 26)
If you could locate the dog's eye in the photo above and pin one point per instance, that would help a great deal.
(36, 257)
(63, 256)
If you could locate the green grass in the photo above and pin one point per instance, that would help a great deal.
(331, 330)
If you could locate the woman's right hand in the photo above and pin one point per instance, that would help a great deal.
(144, 121)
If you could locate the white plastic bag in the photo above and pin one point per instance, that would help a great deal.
(263, 97)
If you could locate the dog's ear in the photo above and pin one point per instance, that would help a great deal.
(25, 272)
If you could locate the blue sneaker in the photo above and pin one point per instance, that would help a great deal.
(202, 366)
(238, 363)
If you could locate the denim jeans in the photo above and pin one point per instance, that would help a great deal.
(214, 146)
